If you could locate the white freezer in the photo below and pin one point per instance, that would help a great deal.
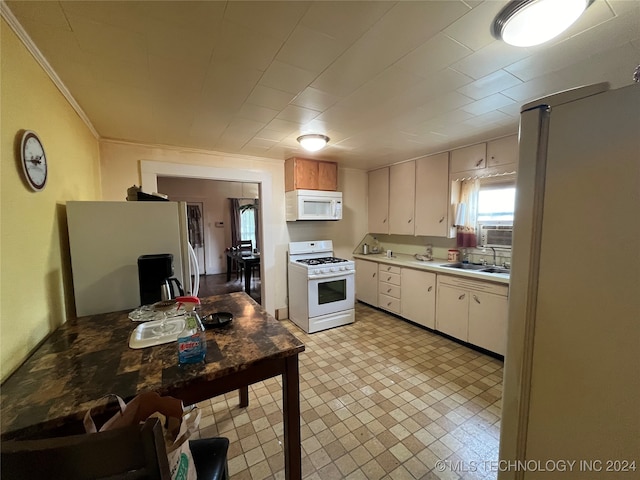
(105, 241)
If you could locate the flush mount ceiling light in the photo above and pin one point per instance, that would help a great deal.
(525, 23)
(313, 142)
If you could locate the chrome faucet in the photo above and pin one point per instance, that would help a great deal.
(494, 256)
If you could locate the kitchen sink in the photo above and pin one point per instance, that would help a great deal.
(495, 270)
(464, 266)
(477, 268)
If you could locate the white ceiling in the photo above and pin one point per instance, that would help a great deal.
(386, 81)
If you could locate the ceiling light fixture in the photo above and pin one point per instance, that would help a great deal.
(525, 23)
(313, 142)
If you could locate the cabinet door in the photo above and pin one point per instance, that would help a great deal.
(402, 189)
(488, 321)
(305, 174)
(432, 196)
(452, 315)
(367, 282)
(328, 176)
(418, 302)
(502, 151)
(378, 202)
(473, 157)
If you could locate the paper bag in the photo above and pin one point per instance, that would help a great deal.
(178, 426)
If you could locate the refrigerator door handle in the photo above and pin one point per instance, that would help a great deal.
(193, 261)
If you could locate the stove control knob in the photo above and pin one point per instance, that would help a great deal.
(343, 268)
(334, 269)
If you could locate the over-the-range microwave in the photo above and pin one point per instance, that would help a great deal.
(313, 205)
(496, 235)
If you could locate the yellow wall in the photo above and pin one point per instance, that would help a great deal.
(35, 281)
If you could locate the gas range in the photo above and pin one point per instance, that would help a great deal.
(321, 287)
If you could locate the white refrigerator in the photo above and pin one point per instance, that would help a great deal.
(105, 241)
(572, 367)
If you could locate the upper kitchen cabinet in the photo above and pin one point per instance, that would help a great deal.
(502, 151)
(402, 194)
(306, 174)
(379, 201)
(473, 157)
(432, 195)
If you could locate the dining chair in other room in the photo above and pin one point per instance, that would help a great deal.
(244, 247)
(130, 452)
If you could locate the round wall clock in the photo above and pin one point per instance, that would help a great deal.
(34, 160)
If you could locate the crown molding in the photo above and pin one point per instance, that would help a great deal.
(15, 25)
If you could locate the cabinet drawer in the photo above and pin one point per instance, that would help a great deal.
(389, 289)
(474, 285)
(388, 269)
(392, 278)
(389, 303)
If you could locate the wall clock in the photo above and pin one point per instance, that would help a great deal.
(34, 160)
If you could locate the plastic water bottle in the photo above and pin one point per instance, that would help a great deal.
(192, 341)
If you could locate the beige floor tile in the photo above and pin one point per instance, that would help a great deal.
(380, 399)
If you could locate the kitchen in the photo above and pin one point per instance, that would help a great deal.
(89, 165)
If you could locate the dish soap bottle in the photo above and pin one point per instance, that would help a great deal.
(192, 341)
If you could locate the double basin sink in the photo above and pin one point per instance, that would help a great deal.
(477, 268)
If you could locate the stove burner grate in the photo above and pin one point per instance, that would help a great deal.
(321, 261)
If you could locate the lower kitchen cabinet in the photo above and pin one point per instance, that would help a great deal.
(488, 321)
(418, 300)
(453, 311)
(472, 311)
(367, 282)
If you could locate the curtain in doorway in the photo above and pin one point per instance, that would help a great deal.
(467, 213)
(194, 217)
(256, 217)
(234, 203)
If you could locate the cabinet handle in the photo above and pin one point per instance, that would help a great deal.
(388, 279)
(389, 291)
(441, 220)
(479, 162)
(409, 221)
(476, 299)
(430, 288)
(461, 296)
(374, 276)
(384, 221)
(389, 304)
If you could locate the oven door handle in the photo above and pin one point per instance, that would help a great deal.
(322, 276)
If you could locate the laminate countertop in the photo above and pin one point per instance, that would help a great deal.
(435, 265)
(89, 357)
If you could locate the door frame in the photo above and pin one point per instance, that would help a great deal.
(150, 170)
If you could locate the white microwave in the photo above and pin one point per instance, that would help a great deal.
(496, 235)
(313, 205)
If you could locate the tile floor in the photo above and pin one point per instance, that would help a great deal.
(381, 398)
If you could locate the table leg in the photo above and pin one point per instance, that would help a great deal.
(247, 278)
(243, 394)
(291, 413)
(228, 268)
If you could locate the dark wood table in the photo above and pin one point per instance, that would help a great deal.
(248, 261)
(89, 357)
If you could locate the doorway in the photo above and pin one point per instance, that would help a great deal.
(151, 170)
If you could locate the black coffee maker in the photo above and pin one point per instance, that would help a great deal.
(155, 276)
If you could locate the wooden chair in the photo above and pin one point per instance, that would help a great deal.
(132, 452)
(245, 246)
